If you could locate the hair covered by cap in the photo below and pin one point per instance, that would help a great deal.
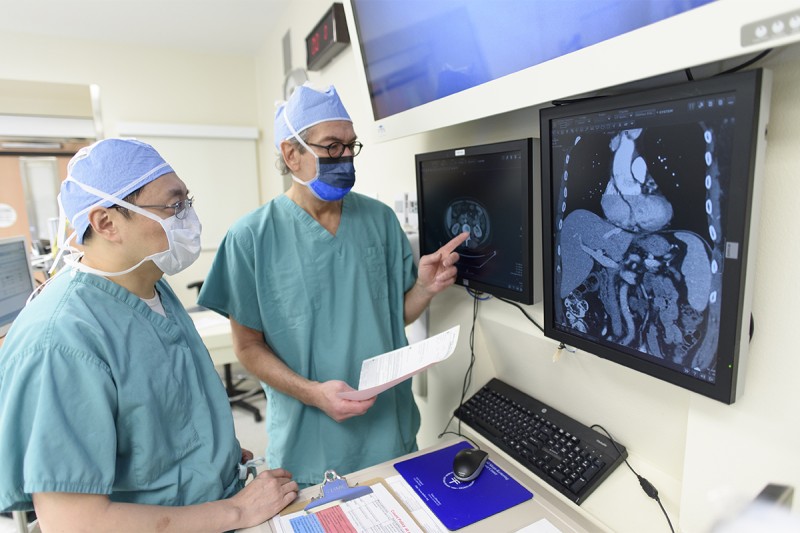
(116, 167)
(307, 107)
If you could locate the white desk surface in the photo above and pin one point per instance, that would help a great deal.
(618, 505)
(564, 515)
(215, 330)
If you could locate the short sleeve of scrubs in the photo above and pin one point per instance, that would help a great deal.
(101, 395)
(71, 440)
(232, 270)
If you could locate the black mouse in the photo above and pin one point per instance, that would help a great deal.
(468, 463)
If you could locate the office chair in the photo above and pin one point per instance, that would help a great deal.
(236, 396)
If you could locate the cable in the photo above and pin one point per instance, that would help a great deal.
(477, 294)
(460, 435)
(468, 374)
(568, 101)
(647, 487)
(523, 312)
(747, 63)
(687, 71)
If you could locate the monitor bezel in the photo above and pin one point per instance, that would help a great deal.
(740, 221)
(525, 146)
(19, 239)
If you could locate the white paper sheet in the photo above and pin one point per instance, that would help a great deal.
(384, 371)
(421, 512)
(378, 511)
(543, 525)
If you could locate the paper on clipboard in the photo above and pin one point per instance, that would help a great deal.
(377, 511)
(384, 371)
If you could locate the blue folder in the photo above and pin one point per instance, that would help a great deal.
(457, 503)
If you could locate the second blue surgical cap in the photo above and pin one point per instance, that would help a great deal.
(307, 107)
(116, 167)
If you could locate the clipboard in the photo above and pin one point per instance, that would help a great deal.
(283, 521)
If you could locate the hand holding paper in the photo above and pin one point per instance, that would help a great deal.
(383, 372)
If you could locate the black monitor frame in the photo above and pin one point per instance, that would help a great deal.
(737, 226)
(15, 252)
(521, 207)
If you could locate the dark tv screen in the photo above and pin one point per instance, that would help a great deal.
(647, 213)
(486, 191)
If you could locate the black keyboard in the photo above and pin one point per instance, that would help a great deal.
(571, 457)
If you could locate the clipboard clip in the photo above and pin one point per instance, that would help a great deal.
(335, 489)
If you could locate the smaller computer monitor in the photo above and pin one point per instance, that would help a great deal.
(486, 191)
(16, 280)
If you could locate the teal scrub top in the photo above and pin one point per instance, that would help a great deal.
(325, 303)
(101, 395)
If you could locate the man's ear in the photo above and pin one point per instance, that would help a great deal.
(103, 223)
(291, 155)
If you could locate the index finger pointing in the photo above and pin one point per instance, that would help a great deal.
(448, 248)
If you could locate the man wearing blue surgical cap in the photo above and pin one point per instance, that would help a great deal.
(112, 415)
(315, 282)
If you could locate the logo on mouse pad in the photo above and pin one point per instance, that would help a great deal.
(451, 482)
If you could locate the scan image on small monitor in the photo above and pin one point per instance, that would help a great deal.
(484, 191)
(647, 220)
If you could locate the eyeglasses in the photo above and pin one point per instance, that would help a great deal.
(179, 207)
(336, 149)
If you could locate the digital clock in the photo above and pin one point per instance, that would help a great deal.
(328, 38)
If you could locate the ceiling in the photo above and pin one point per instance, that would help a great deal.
(222, 26)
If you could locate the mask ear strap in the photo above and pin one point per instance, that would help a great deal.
(307, 147)
(295, 134)
(62, 242)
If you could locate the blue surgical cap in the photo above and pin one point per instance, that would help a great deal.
(116, 167)
(307, 107)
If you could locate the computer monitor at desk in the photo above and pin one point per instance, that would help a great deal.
(16, 280)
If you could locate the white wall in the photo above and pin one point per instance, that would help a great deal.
(137, 83)
(140, 84)
(703, 454)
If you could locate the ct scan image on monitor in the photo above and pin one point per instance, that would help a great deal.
(647, 222)
(485, 191)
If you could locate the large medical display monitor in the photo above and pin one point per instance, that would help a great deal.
(649, 201)
(418, 51)
(16, 280)
(485, 191)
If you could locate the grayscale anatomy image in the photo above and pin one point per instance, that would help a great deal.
(638, 240)
(467, 214)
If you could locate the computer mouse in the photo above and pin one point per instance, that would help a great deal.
(468, 463)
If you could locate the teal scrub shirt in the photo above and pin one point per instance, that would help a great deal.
(101, 395)
(325, 303)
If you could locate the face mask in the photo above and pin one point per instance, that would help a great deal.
(183, 237)
(334, 177)
(184, 242)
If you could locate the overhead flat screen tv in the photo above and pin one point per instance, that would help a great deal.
(485, 190)
(424, 65)
(649, 208)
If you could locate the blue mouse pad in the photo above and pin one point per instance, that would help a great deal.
(457, 503)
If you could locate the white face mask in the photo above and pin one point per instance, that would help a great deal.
(183, 236)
